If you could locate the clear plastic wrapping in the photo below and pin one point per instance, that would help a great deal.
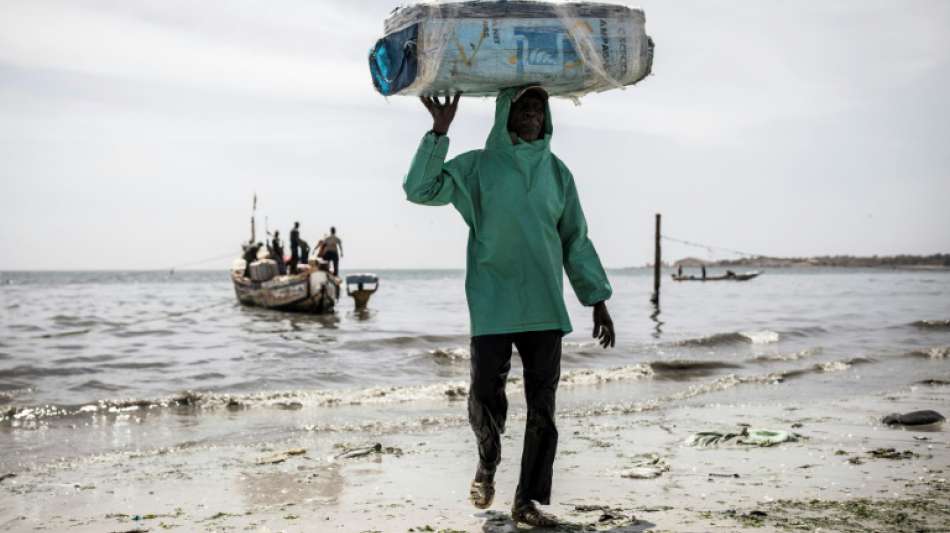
(479, 47)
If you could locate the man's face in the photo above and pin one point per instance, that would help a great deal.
(526, 118)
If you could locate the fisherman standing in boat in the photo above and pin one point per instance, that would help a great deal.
(250, 255)
(294, 247)
(526, 227)
(277, 253)
(333, 250)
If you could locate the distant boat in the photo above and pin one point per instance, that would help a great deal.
(729, 276)
(309, 291)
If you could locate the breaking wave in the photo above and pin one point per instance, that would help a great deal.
(808, 331)
(826, 367)
(723, 383)
(685, 369)
(7, 396)
(937, 352)
(737, 337)
(449, 355)
(932, 324)
(19, 416)
(793, 356)
(581, 377)
(454, 390)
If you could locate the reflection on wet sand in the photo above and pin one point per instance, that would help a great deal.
(298, 482)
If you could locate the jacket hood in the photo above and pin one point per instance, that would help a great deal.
(499, 139)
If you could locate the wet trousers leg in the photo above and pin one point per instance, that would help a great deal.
(487, 402)
(540, 353)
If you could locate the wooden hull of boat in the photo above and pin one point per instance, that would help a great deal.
(738, 277)
(308, 292)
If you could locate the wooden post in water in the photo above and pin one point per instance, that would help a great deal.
(656, 265)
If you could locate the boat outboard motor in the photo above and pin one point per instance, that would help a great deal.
(365, 285)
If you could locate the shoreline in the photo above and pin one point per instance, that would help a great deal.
(418, 478)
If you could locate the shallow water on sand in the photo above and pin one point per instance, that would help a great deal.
(87, 349)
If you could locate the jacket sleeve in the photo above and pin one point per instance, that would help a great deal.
(432, 181)
(581, 262)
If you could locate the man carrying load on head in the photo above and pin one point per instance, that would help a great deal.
(526, 227)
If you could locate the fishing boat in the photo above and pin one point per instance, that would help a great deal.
(728, 276)
(310, 290)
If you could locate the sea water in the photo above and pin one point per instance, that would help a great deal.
(93, 362)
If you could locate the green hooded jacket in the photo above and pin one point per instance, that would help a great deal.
(525, 224)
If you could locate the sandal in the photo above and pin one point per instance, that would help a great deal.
(528, 513)
(481, 493)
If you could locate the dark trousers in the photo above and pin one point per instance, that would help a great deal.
(488, 406)
(334, 259)
(294, 261)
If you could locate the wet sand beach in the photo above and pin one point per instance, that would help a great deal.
(417, 478)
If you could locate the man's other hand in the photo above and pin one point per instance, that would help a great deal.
(442, 113)
(603, 326)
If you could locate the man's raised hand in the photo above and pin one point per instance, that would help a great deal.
(442, 112)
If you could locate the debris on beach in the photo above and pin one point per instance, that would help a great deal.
(594, 442)
(582, 508)
(891, 453)
(607, 516)
(916, 514)
(733, 475)
(747, 436)
(218, 515)
(280, 457)
(353, 453)
(752, 518)
(648, 466)
(6, 476)
(654, 509)
(920, 420)
(427, 528)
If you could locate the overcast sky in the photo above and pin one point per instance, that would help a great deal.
(134, 133)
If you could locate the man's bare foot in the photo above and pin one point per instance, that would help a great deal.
(528, 513)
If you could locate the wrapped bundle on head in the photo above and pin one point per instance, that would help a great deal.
(479, 47)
